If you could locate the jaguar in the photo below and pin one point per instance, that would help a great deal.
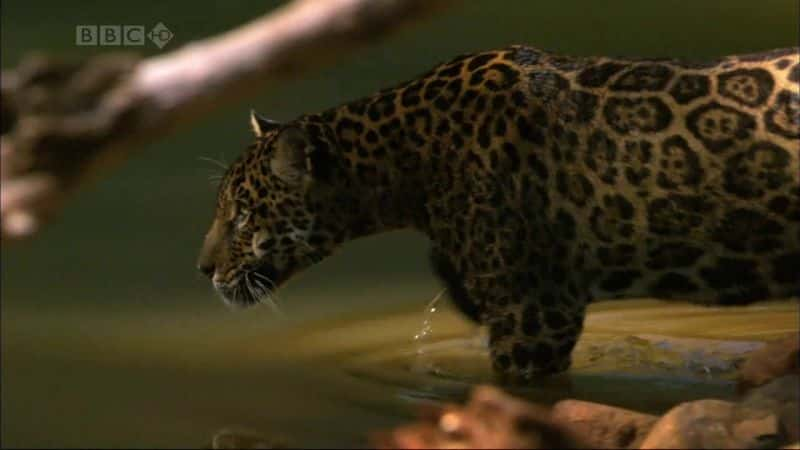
(543, 181)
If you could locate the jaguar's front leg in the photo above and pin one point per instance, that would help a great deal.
(534, 334)
(534, 315)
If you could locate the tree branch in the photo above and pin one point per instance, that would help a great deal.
(64, 121)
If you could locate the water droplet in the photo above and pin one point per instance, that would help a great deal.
(423, 336)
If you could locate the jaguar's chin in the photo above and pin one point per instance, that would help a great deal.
(254, 285)
(238, 295)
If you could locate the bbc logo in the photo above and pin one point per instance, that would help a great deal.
(121, 35)
(109, 35)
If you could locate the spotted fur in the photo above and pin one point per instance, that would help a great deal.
(542, 181)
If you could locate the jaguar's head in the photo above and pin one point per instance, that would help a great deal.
(274, 214)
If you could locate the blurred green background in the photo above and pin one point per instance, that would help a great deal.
(130, 240)
(123, 252)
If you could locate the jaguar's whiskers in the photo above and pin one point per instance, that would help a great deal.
(264, 292)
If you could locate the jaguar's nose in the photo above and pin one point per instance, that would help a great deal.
(206, 267)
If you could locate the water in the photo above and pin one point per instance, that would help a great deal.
(148, 381)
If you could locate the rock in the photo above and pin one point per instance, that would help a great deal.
(760, 431)
(768, 417)
(774, 360)
(715, 424)
(678, 428)
(782, 397)
(491, 419)
(602, 425)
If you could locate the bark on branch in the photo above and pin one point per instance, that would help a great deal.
(62, 121)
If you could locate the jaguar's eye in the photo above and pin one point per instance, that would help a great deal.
(242, 218)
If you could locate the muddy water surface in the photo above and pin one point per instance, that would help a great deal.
(121, 380)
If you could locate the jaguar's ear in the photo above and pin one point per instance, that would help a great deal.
(290, 158)
(260, 124)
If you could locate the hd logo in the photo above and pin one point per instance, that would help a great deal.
(122, 35)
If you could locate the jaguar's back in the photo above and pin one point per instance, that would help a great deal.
(686, 177)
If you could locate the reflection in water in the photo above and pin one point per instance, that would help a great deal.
(124, 380)
(242, 438)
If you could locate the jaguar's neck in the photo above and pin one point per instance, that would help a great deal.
(376, 191)
(387, 157)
